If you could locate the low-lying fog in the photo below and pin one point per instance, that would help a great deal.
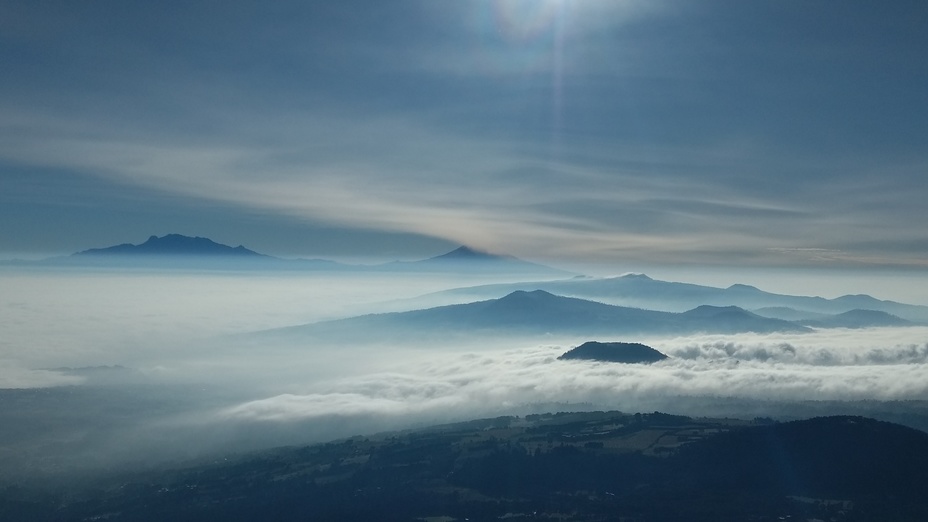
(100, 369)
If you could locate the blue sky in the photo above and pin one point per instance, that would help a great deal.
(786, 133)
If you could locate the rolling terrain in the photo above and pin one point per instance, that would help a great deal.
(593, 466)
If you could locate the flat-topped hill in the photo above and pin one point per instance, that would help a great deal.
(629, 353)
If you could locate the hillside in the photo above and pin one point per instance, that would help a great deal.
(594, 466)
(628, 353)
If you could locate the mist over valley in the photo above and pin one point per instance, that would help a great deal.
(119, 368)
(495, 260)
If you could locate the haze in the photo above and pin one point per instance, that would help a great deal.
(772, 134)
(780, 144)
(112, 368)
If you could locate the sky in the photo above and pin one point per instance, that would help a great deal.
(716, 133)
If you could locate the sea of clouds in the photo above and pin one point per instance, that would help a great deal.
(179, 381)
(868, 364)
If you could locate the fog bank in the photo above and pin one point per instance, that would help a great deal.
(136, 369)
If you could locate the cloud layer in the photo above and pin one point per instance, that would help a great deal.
(155, 373)
(876, 364)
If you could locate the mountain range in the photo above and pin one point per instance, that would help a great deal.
(464, 258)
(856, 318)
(638, 290)
(537, 313)
(177, 250)
(631, 290)
(172, 245)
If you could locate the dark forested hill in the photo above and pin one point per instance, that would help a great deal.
(825, 457)
(614, 352)
(594, 466)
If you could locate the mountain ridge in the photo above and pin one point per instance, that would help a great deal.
(173, 244)
(539, 312)
(639, 290)
(178, 251)
(467, 258)
(857, 318)
(465, 252)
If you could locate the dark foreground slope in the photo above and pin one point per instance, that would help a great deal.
(829, 457)
(577, 466)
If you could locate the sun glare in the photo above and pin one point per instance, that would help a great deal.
(520, 36)
(525, 20)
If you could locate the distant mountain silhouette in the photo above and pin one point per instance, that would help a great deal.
(789, 314)
(465, 253)
(467, 259)
(857, 319)
(175, 245)
(629, 353)
(639, 290)
(180, 251)
(540, 312)
(733, 319)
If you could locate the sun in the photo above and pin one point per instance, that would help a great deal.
(520, 36)
(526, 20)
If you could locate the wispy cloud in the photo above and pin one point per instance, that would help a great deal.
(610, 131)
(397, 176)
(13, 375)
